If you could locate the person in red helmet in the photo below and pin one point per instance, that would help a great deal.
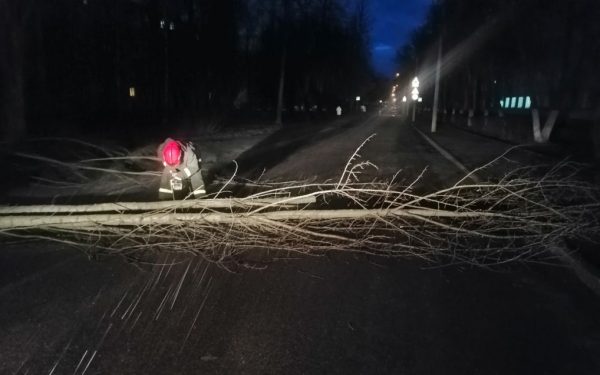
(181, 171)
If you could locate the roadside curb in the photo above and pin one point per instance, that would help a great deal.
(446, 154)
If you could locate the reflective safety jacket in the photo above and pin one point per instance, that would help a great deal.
(189, 169)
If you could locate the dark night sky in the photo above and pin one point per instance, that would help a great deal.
(392, 23)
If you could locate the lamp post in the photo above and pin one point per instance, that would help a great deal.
(414, 95)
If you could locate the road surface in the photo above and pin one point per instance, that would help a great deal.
(62, 313)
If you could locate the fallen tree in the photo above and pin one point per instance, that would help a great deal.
(518, 217)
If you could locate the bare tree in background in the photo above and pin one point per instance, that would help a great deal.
(12, 105)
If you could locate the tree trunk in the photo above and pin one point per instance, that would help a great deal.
(220, 218)
(188, 205)
(278, 118)
(12, 106)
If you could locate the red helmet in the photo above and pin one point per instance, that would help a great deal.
(172, 153)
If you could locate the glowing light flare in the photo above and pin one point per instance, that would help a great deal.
(132, 92)
(404, 99)
(358, 98)
(414, 94)
(415, 83)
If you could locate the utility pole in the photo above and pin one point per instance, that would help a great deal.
(438, 69)
(436, 95)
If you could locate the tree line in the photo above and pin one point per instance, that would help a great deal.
(545, 49)
(100, 60)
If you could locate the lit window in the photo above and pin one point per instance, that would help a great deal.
(507, 102)
(172, 26)
(520, 102)
(162, 24)
(501, 103)
(132, 92)
(527, 102)
(513, 102)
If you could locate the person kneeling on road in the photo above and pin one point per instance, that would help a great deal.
(181, 171)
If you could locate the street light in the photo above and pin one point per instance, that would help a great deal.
(414, 95)
(397, 75)
(415, 83)
(358, 98)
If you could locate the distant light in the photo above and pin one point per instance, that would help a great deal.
(132, 92)
(527, 102)
(414, 94)
(172, 26)
(420, 99)
(393, 94)
(380, 101)
(520, 102)
(162, 24)
(397, 75)
(501, 103)
(404, 99)
(415, 83)
(513, 102)
(395, 100)
(358, 98)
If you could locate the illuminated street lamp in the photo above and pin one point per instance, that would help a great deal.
(414, 94)
(404, 99)
(415, 83)
(420, 100)
(397, 75)
(358, 98)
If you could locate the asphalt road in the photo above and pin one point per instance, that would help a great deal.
(62, 313)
